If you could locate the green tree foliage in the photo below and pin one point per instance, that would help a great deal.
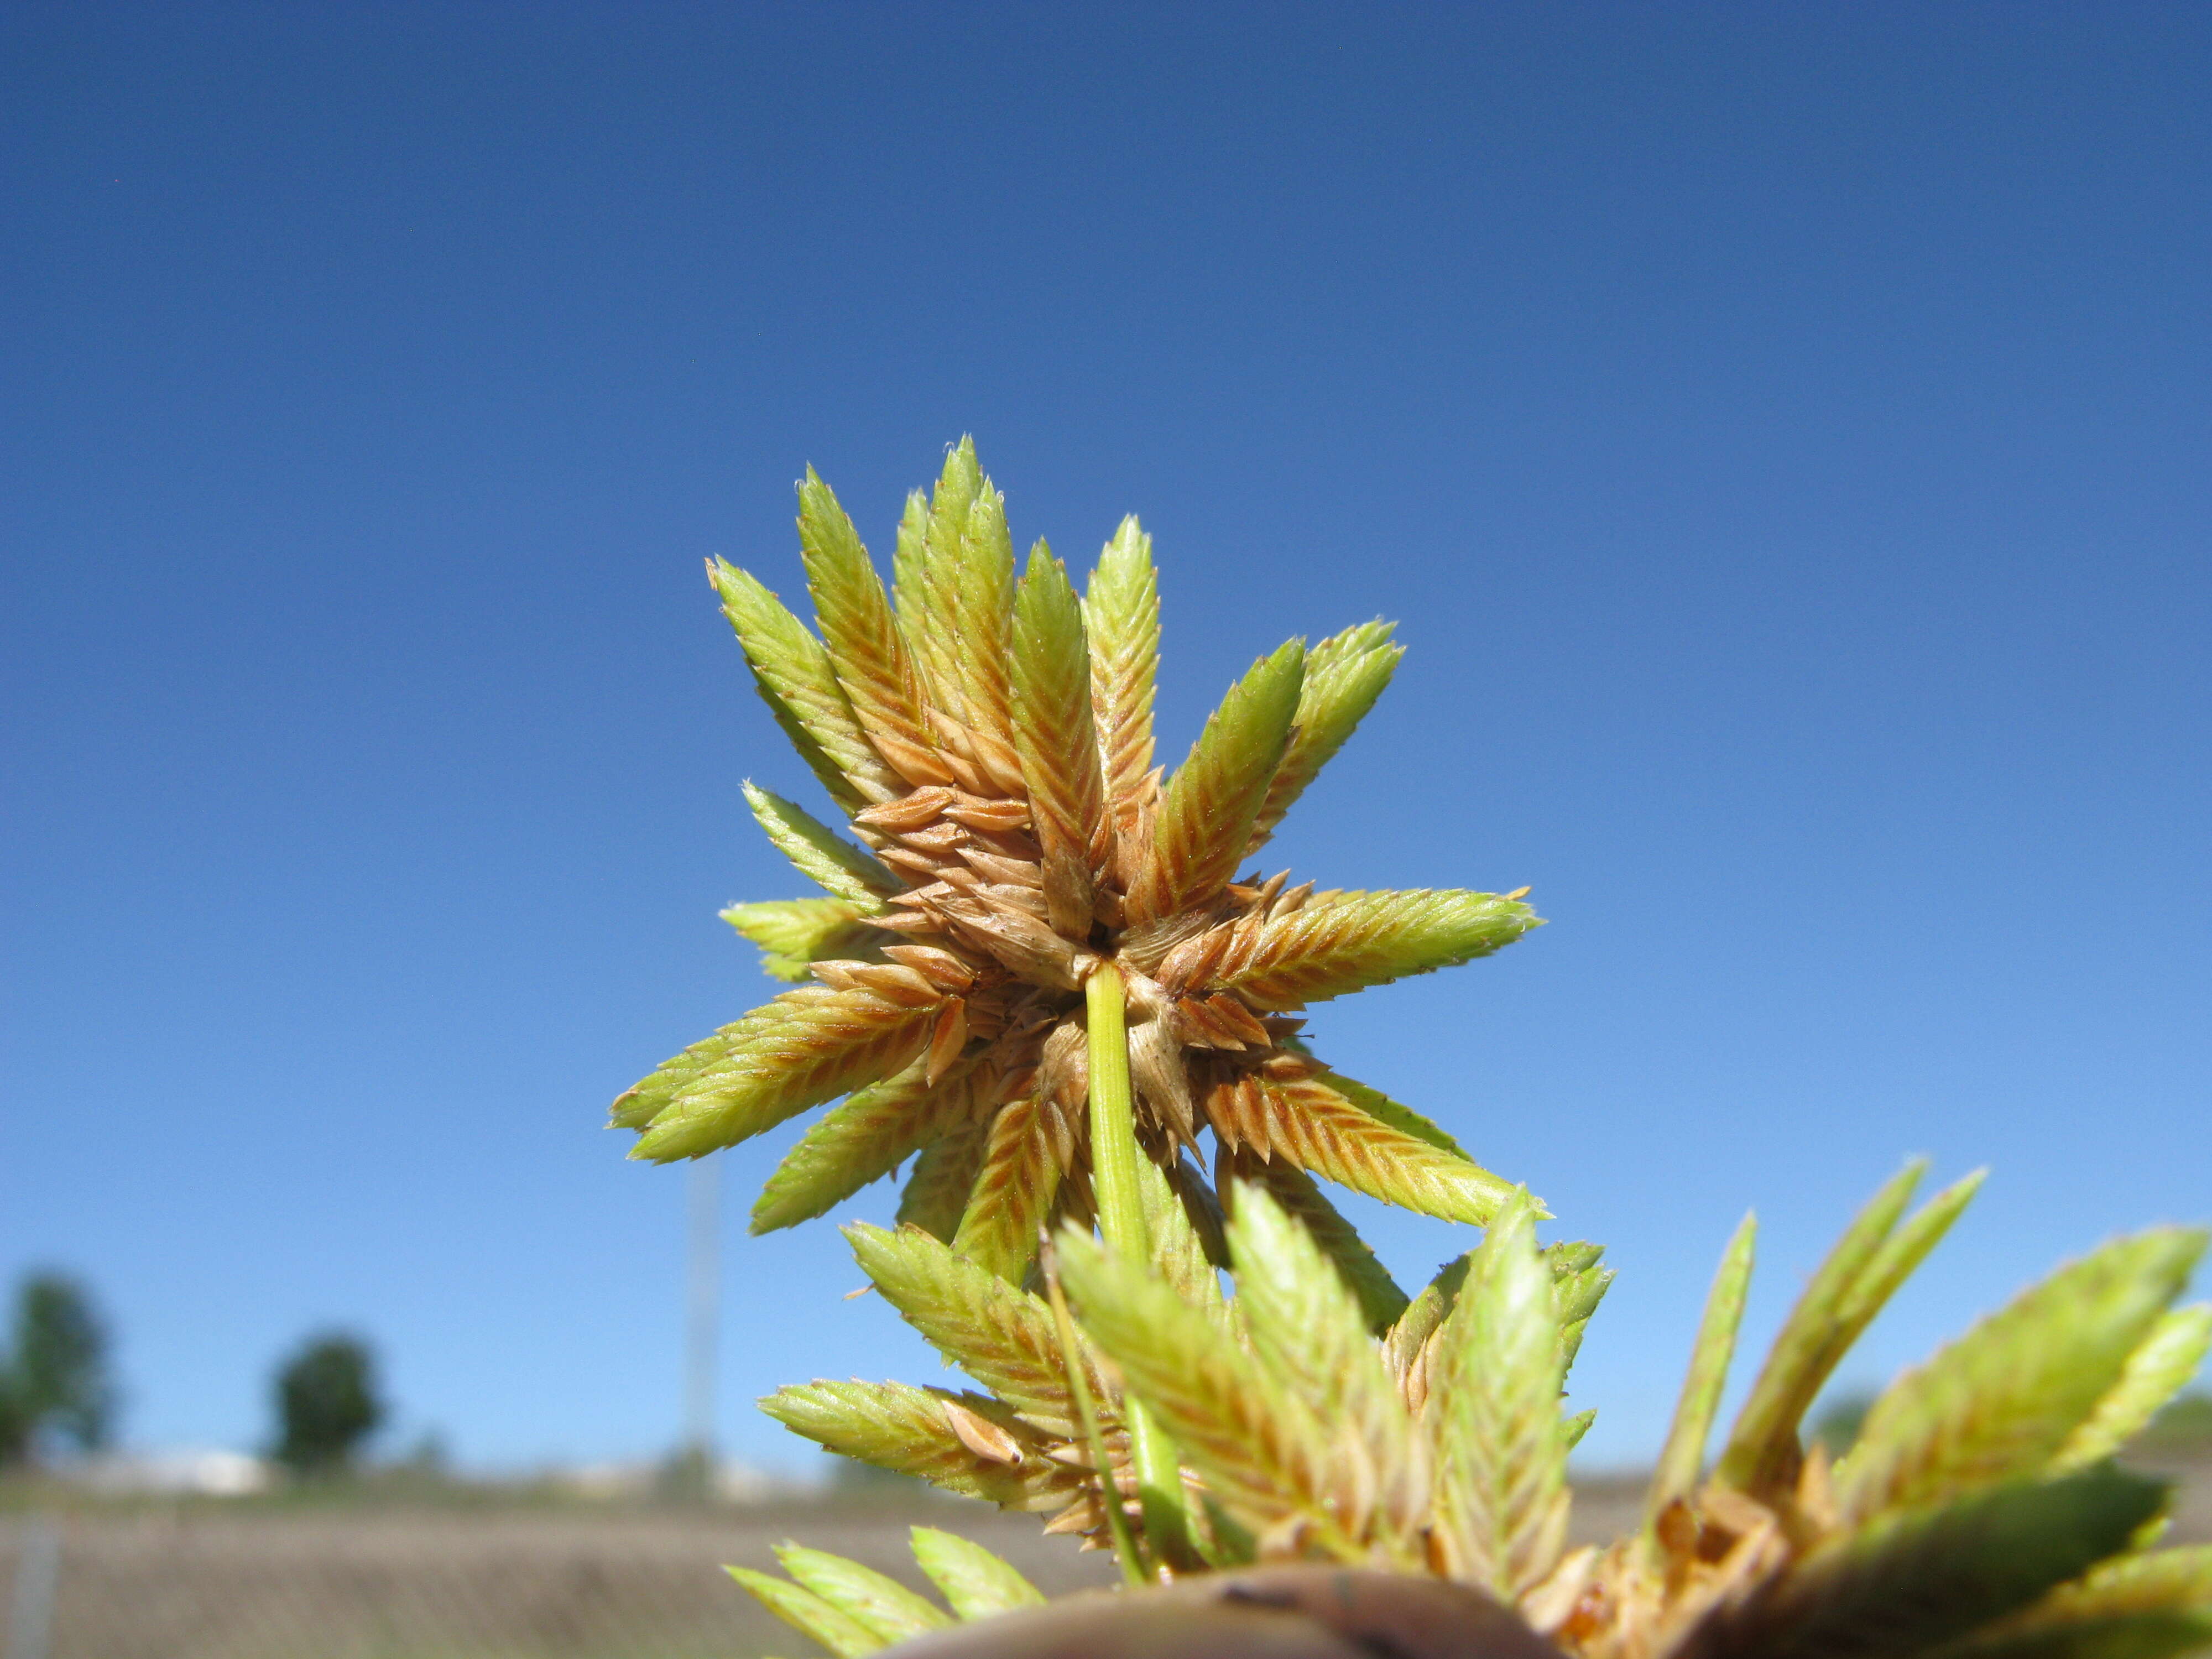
(54, 1381)
(327, 1404)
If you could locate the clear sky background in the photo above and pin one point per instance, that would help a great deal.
(1784, 433)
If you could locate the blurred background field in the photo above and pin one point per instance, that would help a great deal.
(485, 1574)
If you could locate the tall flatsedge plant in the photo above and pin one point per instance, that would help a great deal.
(1038, 975)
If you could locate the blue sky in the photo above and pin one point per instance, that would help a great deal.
(1781, 431)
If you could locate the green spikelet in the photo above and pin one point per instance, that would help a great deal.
(1122, 621)
(819, 853)
(1309, 1330)
(1304, 1120)
(795, 933)
(908, 1431)
(1001, 1336)
(1683, 1456)
(791, 673)
(974, 1583)
(1381, 1302)
(1015, 1186)
(804, 1611)
(860, 1142)
(1500, 1454)
(1345, 674)
(2003, 1400)
(937, 1191)
(1205, 817)
(885, 1608)
(1260, 1449)
(2160, 1366)
(1057, 740)
(808, 1046)
(1852, 1284)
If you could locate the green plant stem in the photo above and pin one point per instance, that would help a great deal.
(1122, 1225)
(1078, 1389)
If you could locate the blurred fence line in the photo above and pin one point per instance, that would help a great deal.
(215, 1581)
(193, 1583)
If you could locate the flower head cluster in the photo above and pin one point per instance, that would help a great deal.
(988, 736)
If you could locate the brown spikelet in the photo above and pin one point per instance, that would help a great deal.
(1012, 1194)
(946, 1039)
(1157, 1071)
(1300, 1119)
(940, 967)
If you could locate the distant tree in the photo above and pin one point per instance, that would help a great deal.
(327, 1405)
(54, 1382)
(1836, 1426)
(2184, 1426)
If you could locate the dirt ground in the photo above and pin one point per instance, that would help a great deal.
(215, 1582)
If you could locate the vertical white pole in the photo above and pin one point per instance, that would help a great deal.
(703, 1319)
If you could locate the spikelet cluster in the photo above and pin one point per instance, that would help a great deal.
(1322, 1416)
(986, 735)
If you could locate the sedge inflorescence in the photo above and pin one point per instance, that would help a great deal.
(1040, 967)
(988, 737)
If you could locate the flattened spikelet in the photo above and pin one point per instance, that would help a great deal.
(895, 1426)
(937, 1191)
(1319, 1130)
(1205, 817)
(860, 1142)
(791, 673)
(2002, 1401)
(1001, 1336)
(1122, 621)
(1345, 674)
(794, 933)
(808, 1046)
(886, 1608)
(1013, 1194)
(864, 642)
(1337, 943)
(1308, 1329)
(1500, 1457)
(2159, 1368)
(974, 1583)
(1057, 741)
(1258, 1447)
(1381, 1302)
(819, 853)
